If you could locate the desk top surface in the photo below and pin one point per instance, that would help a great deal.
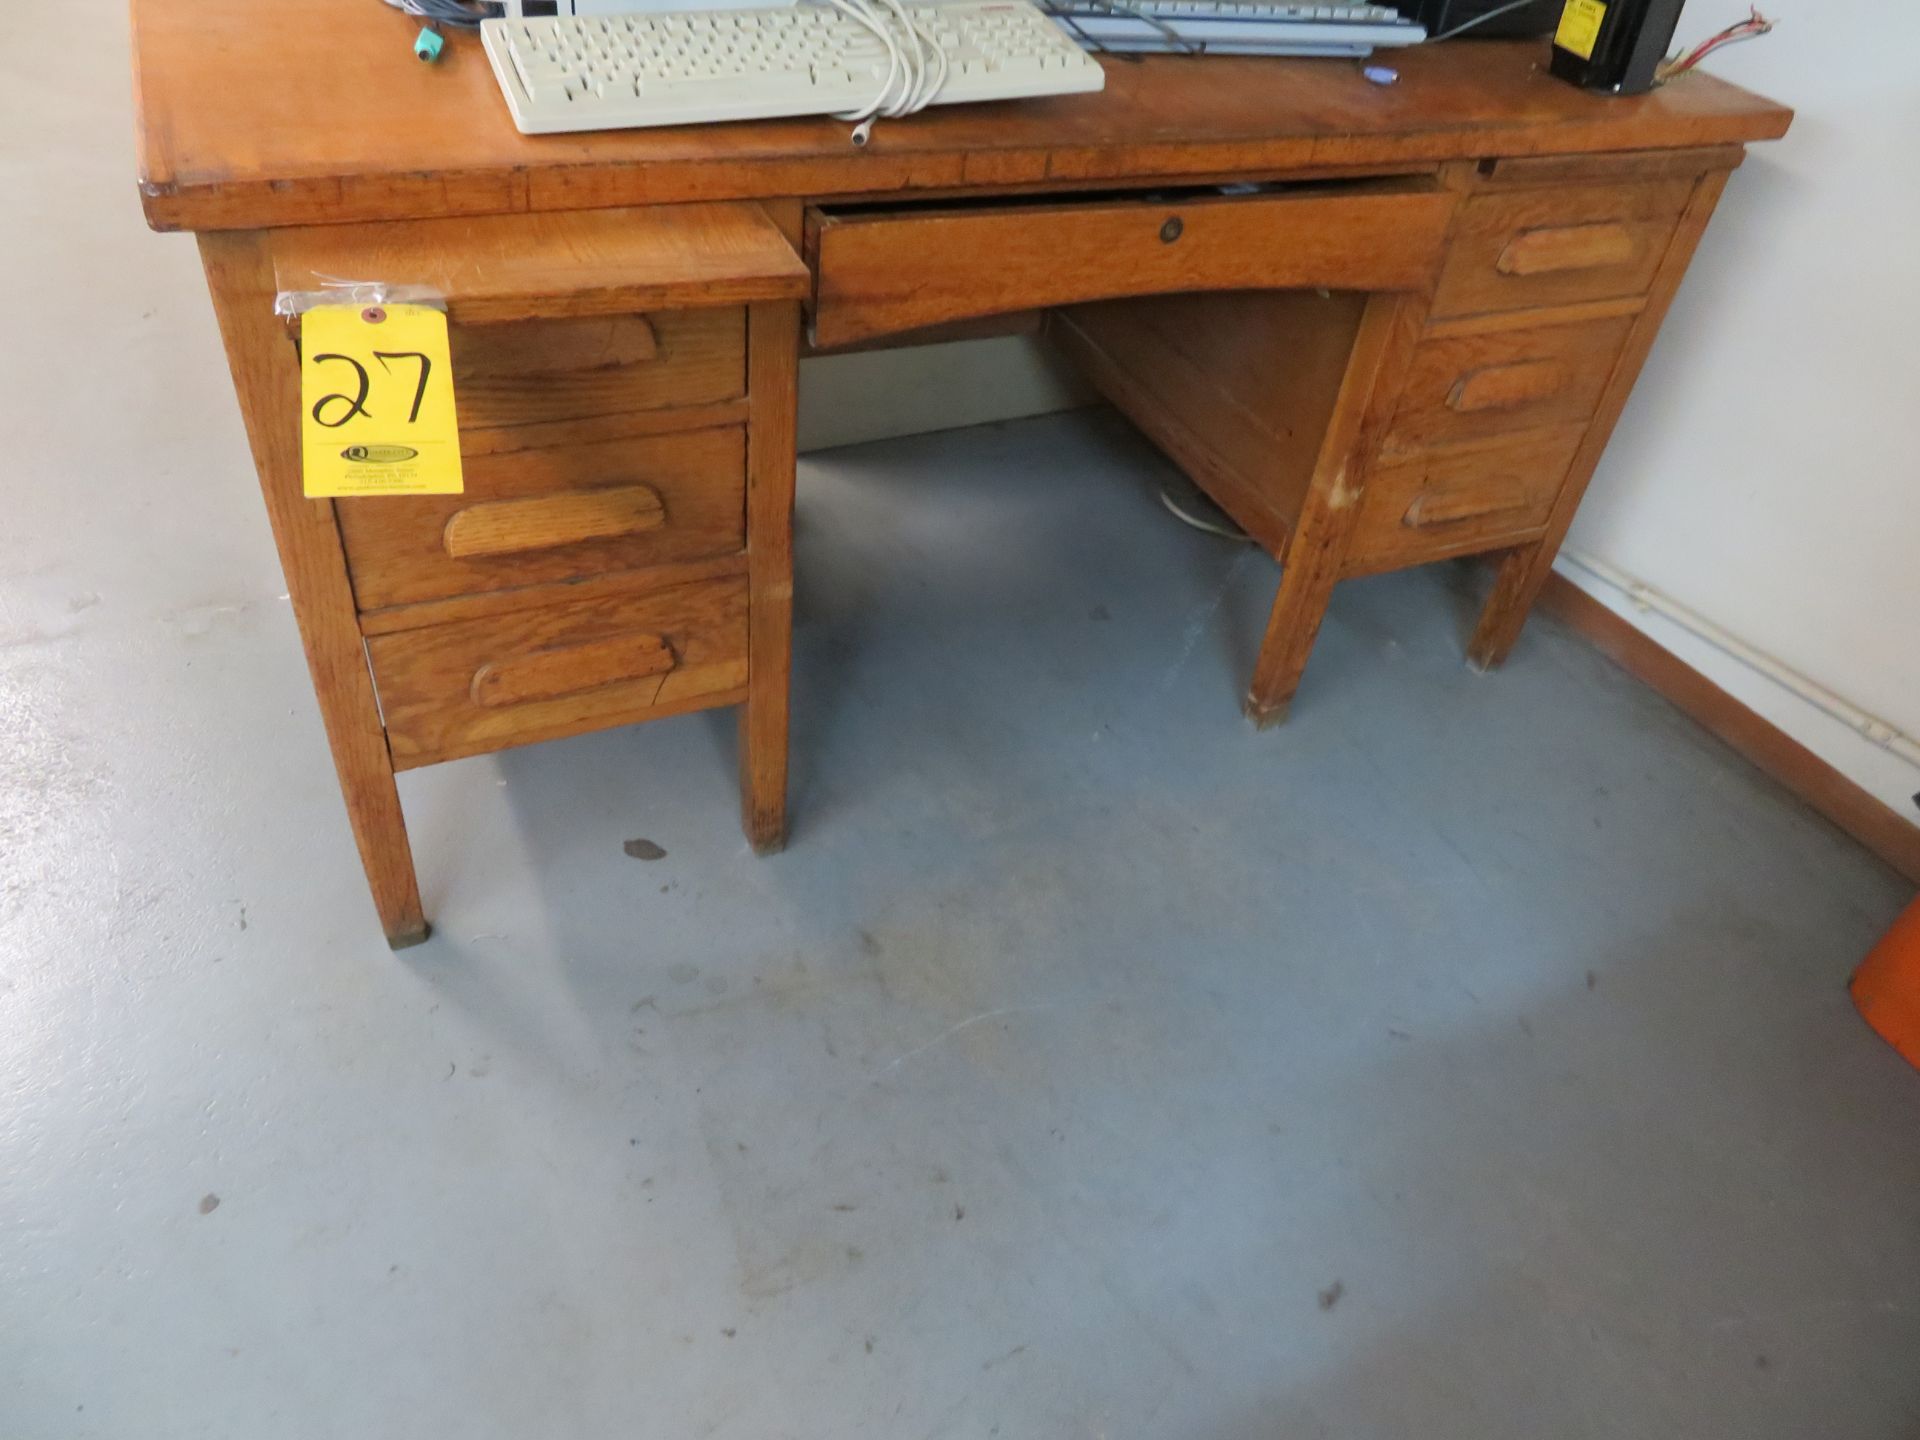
(255, 115)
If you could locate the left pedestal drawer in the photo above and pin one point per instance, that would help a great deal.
(474, 686)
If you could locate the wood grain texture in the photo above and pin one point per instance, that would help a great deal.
(1523, 249)
(1525, 569)
(1507, 386)
(511, 375)
(542, 347)
(1460, 499)
(1495, 322)
(1472, 388)
(1174, 408)
(266, 377)
(879, 273)
(980, 327)
(598, 429)
(1489, 499)
(1554, 248)
(482, 685)
(526, 267)
(558, 671)
(1885, 832)
(405, 140)
(1236, 388)
(773, 351)
(1039, 186)
(610, 585)
(1677, 163)
(512, 527)
(1382, 352)
(398, 546)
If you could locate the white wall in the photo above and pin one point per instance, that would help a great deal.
(1767, 471)
(872, 394)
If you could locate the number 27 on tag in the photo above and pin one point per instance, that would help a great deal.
(376, 402)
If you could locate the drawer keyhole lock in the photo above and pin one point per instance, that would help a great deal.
(1170, 231)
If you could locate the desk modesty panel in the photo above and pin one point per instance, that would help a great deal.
(1380, 326)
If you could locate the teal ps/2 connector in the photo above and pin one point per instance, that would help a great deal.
(428, 44)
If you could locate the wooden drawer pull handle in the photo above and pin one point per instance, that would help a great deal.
(507, 527)
(1566, 247)
(571, 669)
(1507, 387)
(1432, 507)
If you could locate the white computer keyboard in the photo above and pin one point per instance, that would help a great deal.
(620, 71)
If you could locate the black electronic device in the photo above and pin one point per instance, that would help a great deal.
(1614, 45)
(1484, 19)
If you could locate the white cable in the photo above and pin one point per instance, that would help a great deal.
(924, 88)
(913, 58)
(917, 63)
(1646, 597)
(855, 10)
(1477, 20)
(462, 13)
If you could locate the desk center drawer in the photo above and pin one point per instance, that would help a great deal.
(881, 271)
(538, 516)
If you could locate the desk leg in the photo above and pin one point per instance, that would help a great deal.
(1317, 549)
(1524, 571)
(773, 362)
(267, 381)
(1516, 585)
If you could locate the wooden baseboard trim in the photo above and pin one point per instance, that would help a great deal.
(1758, 740)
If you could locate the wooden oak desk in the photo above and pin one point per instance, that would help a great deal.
(1404, 333)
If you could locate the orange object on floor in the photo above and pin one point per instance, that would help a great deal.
(1886, 987)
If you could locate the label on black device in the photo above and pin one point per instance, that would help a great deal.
(1580, 26)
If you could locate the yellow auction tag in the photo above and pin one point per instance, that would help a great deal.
(1580, 27)
(376, 402)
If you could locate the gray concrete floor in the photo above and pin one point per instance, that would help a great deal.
(1469, 1058)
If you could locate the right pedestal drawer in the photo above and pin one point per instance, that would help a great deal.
(1460, 499)
(1484, 435)
(1473, 387)
(1520, 249)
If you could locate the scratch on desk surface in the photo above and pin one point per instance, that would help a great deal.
(953, 1030)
